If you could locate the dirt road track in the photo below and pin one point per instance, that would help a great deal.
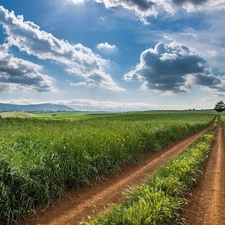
(207, 204)
(80, 203)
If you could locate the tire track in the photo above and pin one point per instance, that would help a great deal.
(207, 201)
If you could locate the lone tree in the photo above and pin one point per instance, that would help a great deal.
(219, 107)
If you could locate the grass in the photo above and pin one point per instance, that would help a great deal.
(160, 199)
(40, 158)
(59, 114)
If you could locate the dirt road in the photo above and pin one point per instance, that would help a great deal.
(80, 203)
(207, 204)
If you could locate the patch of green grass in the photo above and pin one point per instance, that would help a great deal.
(59, 114)
(160, 199)
(39, 158)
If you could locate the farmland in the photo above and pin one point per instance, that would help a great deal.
(41, 158)
(161, 197)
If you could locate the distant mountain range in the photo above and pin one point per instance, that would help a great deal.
(47, 107)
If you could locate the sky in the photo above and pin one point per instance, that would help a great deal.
(113, 54)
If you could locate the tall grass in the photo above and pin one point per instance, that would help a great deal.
(160, 199)
(40, 158)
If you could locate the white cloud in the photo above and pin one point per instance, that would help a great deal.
(148, 8)
(211, 53)
(79, 60)
(172, 6)
(96, 80)
(142, 8)
(19, 74)
(174, 68)
(122, 106)
(76, 1)
(106, 47)
(89, 104)
(102, 18)
(208, 40)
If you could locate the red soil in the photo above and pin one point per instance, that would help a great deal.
(207, 203)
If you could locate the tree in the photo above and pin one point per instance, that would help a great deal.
(219, 107)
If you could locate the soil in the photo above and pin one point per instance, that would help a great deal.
(207, 201)
(77, 204)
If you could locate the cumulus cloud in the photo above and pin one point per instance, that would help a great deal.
(172, 6)
(97, 79)
(19, 74)
(141, 8)
(148, 8)
(106, 47)
(194, 2)
(138, 5)
(22, 101)
(174, 68)
(79, 60)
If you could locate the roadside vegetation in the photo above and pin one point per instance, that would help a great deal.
(39, 158)
(223, 120)
(161, 198)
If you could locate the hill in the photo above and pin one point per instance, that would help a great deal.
(47, 107)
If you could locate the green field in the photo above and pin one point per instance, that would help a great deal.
(162, 197)
(41, 157)
(59, 114)
(76, 115)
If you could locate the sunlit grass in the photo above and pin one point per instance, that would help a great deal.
(161, 198)
(40, 158)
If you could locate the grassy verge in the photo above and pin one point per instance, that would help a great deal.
(160, 199)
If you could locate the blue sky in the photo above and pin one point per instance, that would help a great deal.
(113, 54)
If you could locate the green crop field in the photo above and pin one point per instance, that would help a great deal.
(162, 197)
(59, 114)
(40, 158)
